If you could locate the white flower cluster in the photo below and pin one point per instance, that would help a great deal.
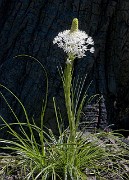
(75, 43)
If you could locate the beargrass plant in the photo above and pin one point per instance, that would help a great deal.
(75, 43)
(73, 155)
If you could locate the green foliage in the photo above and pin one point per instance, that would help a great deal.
(103, 155)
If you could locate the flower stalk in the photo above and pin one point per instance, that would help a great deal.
(68, 72)
(75, 43)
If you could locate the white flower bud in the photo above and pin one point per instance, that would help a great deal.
(68, 61)
(92, 49)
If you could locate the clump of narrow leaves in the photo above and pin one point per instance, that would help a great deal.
(103, 155)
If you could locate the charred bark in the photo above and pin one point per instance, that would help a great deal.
(28, 27)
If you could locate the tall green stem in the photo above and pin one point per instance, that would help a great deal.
(68, 72)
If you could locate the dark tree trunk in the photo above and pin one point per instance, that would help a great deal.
(28, 27)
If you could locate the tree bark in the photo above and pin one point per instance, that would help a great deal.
(28, 27)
